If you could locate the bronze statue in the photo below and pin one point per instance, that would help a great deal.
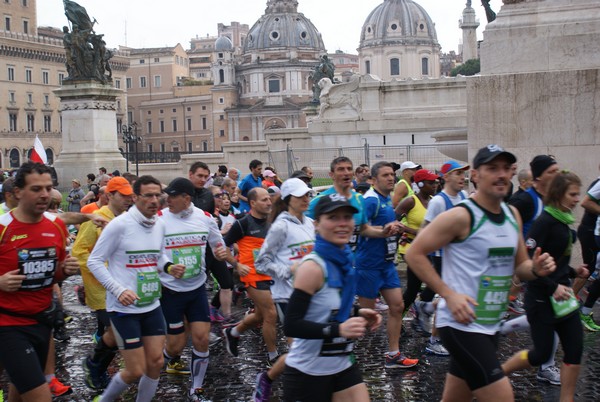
(324, 69)
(489, 13)
(86, 53)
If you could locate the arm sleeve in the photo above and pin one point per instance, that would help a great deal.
(524, 204)
(105, 246)
(538, 235)
(235, 233)
(295, 326)
(266, 261)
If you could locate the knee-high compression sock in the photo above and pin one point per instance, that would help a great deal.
(114, 389)
(198, 368)
(516, 324)
(146, 389)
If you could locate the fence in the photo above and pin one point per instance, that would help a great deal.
(288, 160)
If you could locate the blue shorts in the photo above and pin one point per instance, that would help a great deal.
(129, 329)
(176, 306)
(371, 281)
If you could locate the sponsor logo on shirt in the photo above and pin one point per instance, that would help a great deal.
(18, 237)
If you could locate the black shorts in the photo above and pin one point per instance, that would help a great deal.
(472, 356)
(300, 387)
(218, 269)
(25, 369)
(192, 305)
(262, 285)
(129, 329)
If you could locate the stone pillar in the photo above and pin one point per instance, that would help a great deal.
(469, 24)
(89, 130)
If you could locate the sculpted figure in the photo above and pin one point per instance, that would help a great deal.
(324, 69)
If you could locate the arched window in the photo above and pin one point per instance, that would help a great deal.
(50, 156)
(395, 66)
(15, 158)
(221, 76)
(425, 66)
(368, 66)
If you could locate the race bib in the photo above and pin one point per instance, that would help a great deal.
(191, 257)
(354, 238)
(148, 288)
(564, 307)
(38, 265)
(492, 298)
(392, 246)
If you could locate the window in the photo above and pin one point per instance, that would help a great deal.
(161, 111)
(162, 147)
(30, 123)
(26, 27)
(142, 82)
(61, 77)
(425, 66)
(156, 60)
(203, 107)
(128, 83)
(30, 98)
(24, 3)
(149, 112)
(190, 147)
(189, 109)
(12, 121)
(162, 126)
(174, 124)
(221, 133)
(142, 61)
(204, 146)
(11, 97)
(221, 101)
(11, 73)
(47, 123)
(46, 100)
(150, 148)
(273, 86)
(7, 23)
(149, 127)
(189, 124)
(28, 75)
(204, 123)
(368, 66)
(45, 77)
(395, 66)
(118, 84)
(221, 117)
(157, 82)
(221, 76)
(174, 110)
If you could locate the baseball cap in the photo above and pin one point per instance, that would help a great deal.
(452, 166)
(119, 184)
(300, 175)
(424, 174)
(268, 173)
(489, 153)
(395, 166)
(408, 165)
(273, 190)
(540, 163)
(331, 202)
(295, 187)
(180, 185)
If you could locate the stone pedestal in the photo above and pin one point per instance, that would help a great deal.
(89, 130)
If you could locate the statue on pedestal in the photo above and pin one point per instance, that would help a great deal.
(324, 69)
(489, 13)
(86, 53)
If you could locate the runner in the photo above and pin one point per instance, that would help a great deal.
(404, 188)
(482, 248)
(376, 271)
(32, 258)
(184, 298)
(321, 365)
(132, 245)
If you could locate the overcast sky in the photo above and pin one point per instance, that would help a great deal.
(143, 23)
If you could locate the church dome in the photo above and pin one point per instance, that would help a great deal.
(223, 44)
(398, 22)
(282, 26)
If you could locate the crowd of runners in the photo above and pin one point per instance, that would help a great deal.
(321, 266)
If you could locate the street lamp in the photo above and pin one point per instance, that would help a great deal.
(130, 137)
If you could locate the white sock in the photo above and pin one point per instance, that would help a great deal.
(434, 339)
(514, 325)
(393, 352)
(146, 389)
(586, 310)
(114, 389)
(273, 355)
(552, 361)
(198, 369)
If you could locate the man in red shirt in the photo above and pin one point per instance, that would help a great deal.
(32, 258)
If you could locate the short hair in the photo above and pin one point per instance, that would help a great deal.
(222, 169)
(338, 160)
(228, 182)
(376, 167)
(8, 186)
(305, 169)
(524, 174)
(130, 177)
(218, 181)
(103, 170)
(254, 163)
(28, 168)
(559, 186)
(143, 180)
(91, 176)
(253, 194)
(198, 165)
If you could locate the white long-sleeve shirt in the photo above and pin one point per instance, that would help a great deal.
(135, 255)
(185, 243)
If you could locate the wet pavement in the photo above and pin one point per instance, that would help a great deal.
(232, 379)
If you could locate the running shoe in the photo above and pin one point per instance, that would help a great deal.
(96, 338)
(425, 318)
(231, 342)
(213, 339)
(516, 307)
(271, 362)
(550, 375)
(399, 361)
(198, 395)
(1, 395)
(60, 334)
(94, 378)
(215, 315)
(380, 305)
(436, 348)
(177, 366)
(262, 390)
(588, 322)
(58, 388)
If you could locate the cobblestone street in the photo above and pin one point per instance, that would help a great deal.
(232, 379)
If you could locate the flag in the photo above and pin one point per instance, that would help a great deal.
(38, 154)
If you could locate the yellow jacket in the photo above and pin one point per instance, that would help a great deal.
(95, 294)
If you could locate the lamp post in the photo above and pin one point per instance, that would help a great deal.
(130, 137)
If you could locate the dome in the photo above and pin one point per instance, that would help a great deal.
(398, 22)
(223, 44)
(283, 26)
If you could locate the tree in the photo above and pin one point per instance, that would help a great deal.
(470, 67)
